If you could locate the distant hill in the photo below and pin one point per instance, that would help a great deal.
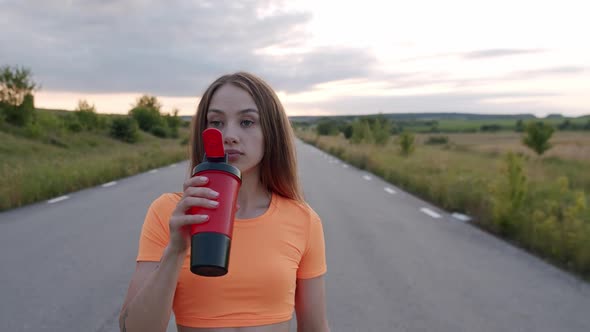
(405, 116)
(424, 117)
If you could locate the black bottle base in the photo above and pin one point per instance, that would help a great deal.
(210, 254)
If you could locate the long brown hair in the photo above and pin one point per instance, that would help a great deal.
(278, 167)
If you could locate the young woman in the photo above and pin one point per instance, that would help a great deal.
(277, 257)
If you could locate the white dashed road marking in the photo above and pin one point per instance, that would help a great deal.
(430, 212)
(366, 177)
(389, 190)
(461, 217)
(153, 171)
(58, 199)
(109, 184)
(345, 166)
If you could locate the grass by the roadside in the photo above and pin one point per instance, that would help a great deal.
(33, 170)
(540, 204)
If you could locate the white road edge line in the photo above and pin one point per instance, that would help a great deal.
(58, 199)
(366, 177)
(153, 171)
(430, 213)
(173, 165)
(389, 190)
(344, 165)
(112, 183)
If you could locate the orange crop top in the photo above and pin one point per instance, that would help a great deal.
(268, 253)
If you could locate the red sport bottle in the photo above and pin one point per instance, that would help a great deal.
(211, 241)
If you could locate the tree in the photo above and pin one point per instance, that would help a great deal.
(147, 113)
(16, 98)
(146, 117)
(173, 122)
(537, 137)
(148, 101)
(15, 84)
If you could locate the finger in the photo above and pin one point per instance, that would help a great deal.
(189, 202)
(201, 192)
(195, 181)
(188, 219)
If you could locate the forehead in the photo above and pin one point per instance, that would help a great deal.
(231, 99)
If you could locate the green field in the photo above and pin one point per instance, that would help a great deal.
(58, 161)
(538, 203)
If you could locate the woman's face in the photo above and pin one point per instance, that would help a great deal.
(234, 112)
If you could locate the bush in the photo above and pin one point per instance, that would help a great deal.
(561, 230)
(346, 130)
(361, 132)
(370, 130)
(104, 122)
(381, 131)
(32, 130)
(159, 131)
(406, 143)
(21, 115)
(146, 117)
(327, 127)
(437, 140)
(86, 114)
(509, 196)
(490, 127)
(2, 115)
(50, 123)
(74, 125)
(124, 129)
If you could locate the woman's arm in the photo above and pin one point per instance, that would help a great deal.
(310, 305)
(148, 304)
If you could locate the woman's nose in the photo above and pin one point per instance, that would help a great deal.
(227, 139)
(229, 135)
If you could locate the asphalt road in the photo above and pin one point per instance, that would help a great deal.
(395, 263)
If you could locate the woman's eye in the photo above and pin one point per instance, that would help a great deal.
(247, 123)
(215, 123)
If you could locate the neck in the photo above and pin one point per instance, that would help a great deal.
(252, 196)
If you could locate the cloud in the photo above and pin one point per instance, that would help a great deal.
(298, 73)
(166, 48)
(498, 52)
(552, 71)
(476, 55)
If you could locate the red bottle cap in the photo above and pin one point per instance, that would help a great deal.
(213, 142)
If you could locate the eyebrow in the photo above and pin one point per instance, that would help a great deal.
(248, 110)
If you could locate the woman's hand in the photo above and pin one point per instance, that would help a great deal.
(195, 195)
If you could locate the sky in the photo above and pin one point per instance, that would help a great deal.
(321, 57)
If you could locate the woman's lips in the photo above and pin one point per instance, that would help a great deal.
(233, 156)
